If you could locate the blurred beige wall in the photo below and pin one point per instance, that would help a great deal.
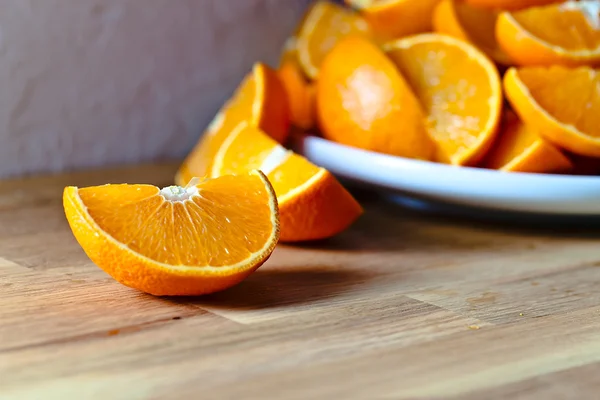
(100, 82)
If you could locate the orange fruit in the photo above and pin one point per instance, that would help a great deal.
(562, 104)
(260, 99)
(312, 203)
(301, 95)
(509, 4)
(392, 19)
(459, 88)
(177, 241)
(363, 101)
(519, 148)
(471, 24)
(564, 34)
(325, 24)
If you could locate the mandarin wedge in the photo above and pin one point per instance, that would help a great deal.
(562, 104)
(363, 101)
(325, 24)
(509, 4)
(459, 88)
(301, 95)
(392, 19)
(471, 24)
(177, 241)
(519, 148)
(564, 34)
(260, 99)
(312, 203)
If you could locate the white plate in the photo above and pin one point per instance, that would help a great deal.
(471, 187)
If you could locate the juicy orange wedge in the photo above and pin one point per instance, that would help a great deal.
(393, 19)
(509, 4)
(312, 203)
(459, 88)
(560, 103)
(260, 99)
(325, 24)
(177, 241)
(471, 24)
(363, 101)
(519, 148)
(564, 34)
(301, 95)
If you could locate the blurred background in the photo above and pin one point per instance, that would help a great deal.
(105, 82)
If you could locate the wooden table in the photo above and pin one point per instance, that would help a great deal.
(403, 305)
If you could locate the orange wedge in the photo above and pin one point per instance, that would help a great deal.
(392, 19)
(312, 203)
(363, 101)
(519, 148)
(471, 24)
(562, 104)
(564, 34)
(509, 4)
(260, 99)
(460, 90)
(177, 241)
(325, 24)
(301, 95)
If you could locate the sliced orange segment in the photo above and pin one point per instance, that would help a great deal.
(519, 148)
(393, 19)
(260, 99)
(459, 88)
(325, 24)
(363, 101)
(564, 34)
(301, 95)
(562, 104)
(471, 24)
(177, 241)
(312, 203)
(510, 4)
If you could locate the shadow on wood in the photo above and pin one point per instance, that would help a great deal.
(269, 288)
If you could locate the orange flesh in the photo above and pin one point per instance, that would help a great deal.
(569, 29)
(326, 24)
(453, 93)
(513, 141)
(204, 230)
(480, 25)
(250, 149)
(572, 96)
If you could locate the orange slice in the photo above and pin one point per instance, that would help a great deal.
(301, 95)
(363, 101)
(510, 4)
(325, 24)
(260, 99)
(565, 34)
(392, 19)
(562, 104)
(519, 148)
(471, 24)
(312, 203)
(177, 241)
(459, 88)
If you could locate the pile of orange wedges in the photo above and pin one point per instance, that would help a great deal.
(499, 84)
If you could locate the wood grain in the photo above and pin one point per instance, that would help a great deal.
(403, 305)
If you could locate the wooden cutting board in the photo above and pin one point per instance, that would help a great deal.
(402, 305)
